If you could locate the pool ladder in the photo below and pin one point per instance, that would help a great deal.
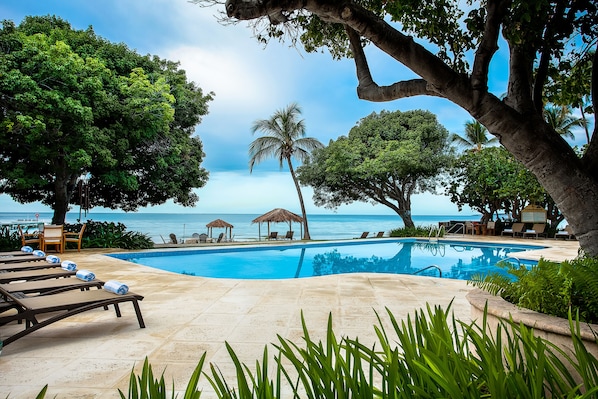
(438, 231)
(429, 267)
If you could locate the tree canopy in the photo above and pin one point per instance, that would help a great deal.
(385, 159)
(491, 181)
(74, 105)
(451, 48)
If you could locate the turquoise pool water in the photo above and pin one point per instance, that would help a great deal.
(454, 259)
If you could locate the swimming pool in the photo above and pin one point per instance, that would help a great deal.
(454, 259)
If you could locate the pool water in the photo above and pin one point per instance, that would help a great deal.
(454, 259)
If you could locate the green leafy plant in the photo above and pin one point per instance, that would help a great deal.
(428, 355)
(112, 235)
(147, 386)
(548, 287)
(418, 231)
(9, 241)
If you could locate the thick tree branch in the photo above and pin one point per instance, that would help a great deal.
(367, 89)
(591, 156)
(440, 79)
(545, 55)
(496, 10)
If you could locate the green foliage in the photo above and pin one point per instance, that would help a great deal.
(548, 287)
(112, 235)
(428, 355)
(76, 104)
(491, 180)
(385, 159)
(147, 386)
(417, 231)
(9, 241)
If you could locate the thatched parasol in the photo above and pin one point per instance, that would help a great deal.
(220, 224)
(278, 215)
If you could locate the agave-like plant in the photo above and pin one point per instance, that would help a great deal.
(428, 355)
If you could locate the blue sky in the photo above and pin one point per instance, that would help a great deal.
(250, 82)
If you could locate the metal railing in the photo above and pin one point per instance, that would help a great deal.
(429, 267)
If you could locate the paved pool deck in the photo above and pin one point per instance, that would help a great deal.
(91, 355)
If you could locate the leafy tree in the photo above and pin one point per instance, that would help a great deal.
(537, 35)
(385, 159)
(570, 85)
(74, 104)
(476, 137)
(562, 121)
(491, 181)
(284, 138)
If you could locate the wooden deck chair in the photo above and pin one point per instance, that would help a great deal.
(21, 259)
(273, 235)
(364, 234)
(33, 275)
(289, 235)
(380, 234)
(34, 238)
(9, 254)
(567, 233)
(491, 228)
(53, 237)
(73, 236)
(20, 266)
(516, 229)
(536, 230)
(52, 286)
(63, 305)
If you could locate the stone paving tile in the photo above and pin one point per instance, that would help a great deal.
(91, 355)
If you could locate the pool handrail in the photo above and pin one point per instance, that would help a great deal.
(429, 267)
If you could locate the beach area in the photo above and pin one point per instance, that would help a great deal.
(158, 226)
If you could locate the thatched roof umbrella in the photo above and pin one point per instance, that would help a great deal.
(278, 215)
(221, 224)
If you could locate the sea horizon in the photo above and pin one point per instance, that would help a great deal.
(158, 226)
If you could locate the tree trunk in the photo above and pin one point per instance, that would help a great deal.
(306, 235)
(63, 191)
(406, 216)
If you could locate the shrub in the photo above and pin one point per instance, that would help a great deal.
(9, 241)
(427, 356)
(111, 235)
(418, 231)
(548, 287)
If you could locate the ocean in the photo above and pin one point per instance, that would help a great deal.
(321, 226)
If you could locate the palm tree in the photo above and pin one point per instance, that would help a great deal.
(562, 121)
(475, 137)
(284, 138)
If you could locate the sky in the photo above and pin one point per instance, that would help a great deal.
(250, 81)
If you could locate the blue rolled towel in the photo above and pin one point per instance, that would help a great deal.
(39, 253)
(85, 275)
(69, 265)
(52, 259)
(27, 249)
(116, 287)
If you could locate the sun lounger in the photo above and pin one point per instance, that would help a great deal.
(17, 259)
(273, 235)
(20, 266)
(380, 234)
(364, 234)
(536, 231)
(567, 234)
(34, 275)
(61, 306)
(516, 229)
(52, 286)
(14, 253)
